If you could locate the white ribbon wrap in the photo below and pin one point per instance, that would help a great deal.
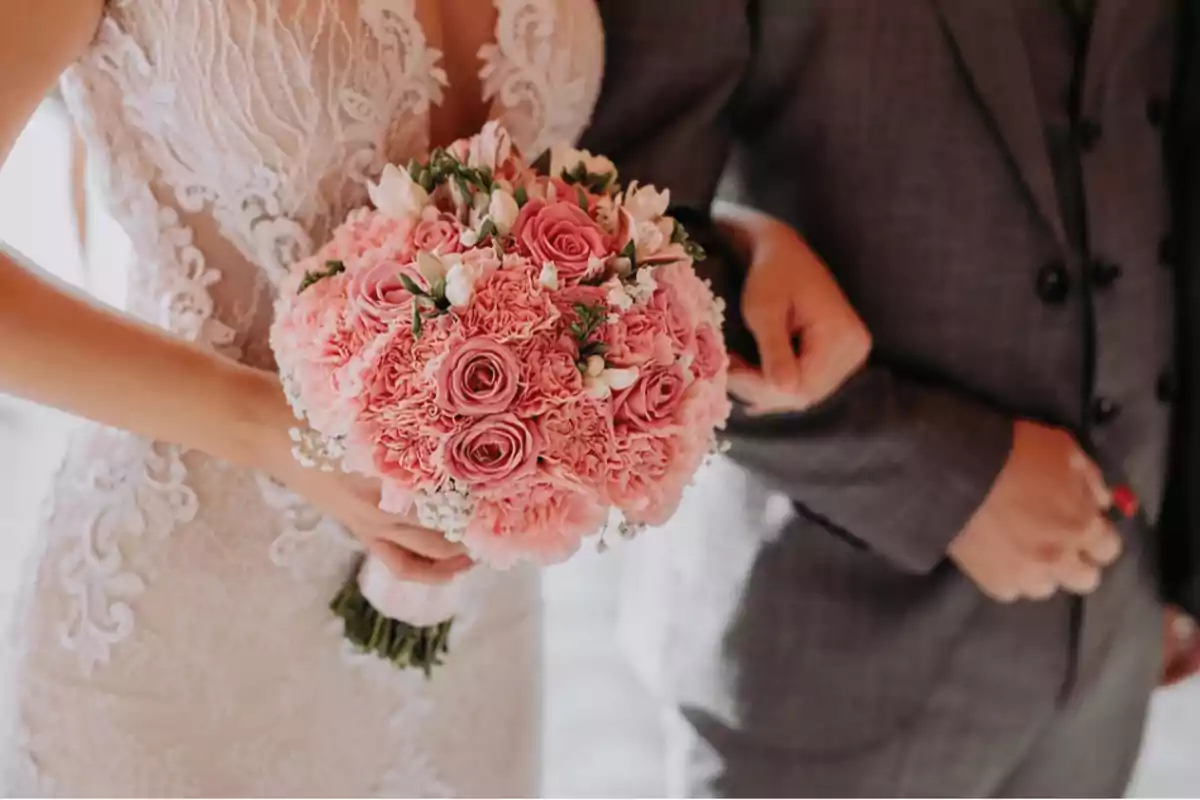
(418, 604)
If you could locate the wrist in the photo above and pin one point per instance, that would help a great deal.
(260, 434)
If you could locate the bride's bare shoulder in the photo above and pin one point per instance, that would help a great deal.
(38, 40)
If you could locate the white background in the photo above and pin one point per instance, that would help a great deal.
(602, 737)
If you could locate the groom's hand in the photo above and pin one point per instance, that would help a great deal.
(1181, 651)
(1041, 527)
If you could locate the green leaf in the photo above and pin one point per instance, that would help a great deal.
(418, 324)
(678, 233)
(582, 197)
(312, 276)
(695, 251)
(411, 286)
(521, 196)
(488, 228)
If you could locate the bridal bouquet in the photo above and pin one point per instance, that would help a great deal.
(521, 353)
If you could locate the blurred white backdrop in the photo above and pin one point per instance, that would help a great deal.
(602, 737)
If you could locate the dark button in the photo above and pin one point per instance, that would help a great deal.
(1166, 251)
(1165, 388)
(1104, 273)
(1156, 111)
(1104, 410)
(1087, 134)
(1053, 283)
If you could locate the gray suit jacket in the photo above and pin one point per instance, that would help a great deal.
(903, 138)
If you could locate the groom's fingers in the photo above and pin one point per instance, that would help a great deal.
(760, 397)
(769, 319)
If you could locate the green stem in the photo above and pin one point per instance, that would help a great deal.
(406, 646)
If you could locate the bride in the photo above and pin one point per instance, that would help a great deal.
(174, 638)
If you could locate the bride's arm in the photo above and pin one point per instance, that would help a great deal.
(63, 350)
(60, 349)
(809, 338)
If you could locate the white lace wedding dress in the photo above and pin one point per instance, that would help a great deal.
(174, 637)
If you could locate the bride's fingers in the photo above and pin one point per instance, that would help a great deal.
(430, 544)
(410, 566)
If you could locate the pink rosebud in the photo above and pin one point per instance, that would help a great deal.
(710, 353)
(478, 377)
(492, 451)
(437, 232)
(563, 234)
(378, 293)
(653, 401)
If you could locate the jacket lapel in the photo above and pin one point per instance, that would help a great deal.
(987, 41)
(1116, 21)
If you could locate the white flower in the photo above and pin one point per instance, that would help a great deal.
(609, 380)
(503, 211)
(549, 276)
(645, 203)
(469, 237)
(397, 194)
(644, 288)
(431, 267)
(565, 159)
(460, 284)
(619, 296)
(594, 366)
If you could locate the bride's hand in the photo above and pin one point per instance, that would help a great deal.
(410, 551)
(791, 295)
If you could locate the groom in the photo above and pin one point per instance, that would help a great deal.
(985, 179)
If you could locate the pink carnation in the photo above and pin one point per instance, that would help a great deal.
(678, 318)
(579, 437)
(544, 519)
(649, 474)
(549, 376)
(509, 304)
(641, 336)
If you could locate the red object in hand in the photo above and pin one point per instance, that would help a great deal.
(1124, 504)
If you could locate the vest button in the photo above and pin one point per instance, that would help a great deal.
(1104, 273)
(1053, 283)
(1104, 410)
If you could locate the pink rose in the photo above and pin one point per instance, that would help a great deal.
(542, 519)
(563, 234)
(653, 401)
(477, 377)
(437, 232)
(494, 451)
(710, 353)
(377, 292)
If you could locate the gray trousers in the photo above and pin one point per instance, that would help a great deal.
(959, 746)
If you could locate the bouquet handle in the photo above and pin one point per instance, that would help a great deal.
(407, 623)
